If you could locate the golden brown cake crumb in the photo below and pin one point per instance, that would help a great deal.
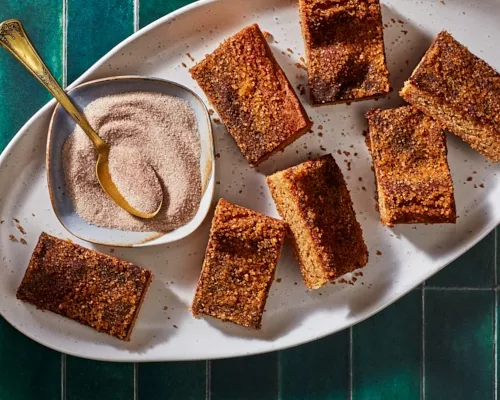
(313, 199)
(345, 50)
(459, 90)
(409, 157)
(240, 262)
(252, 95)
(89, 287)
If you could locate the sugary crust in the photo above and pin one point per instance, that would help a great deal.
(239, 266)
(344, 49)
(313, 199)
(92, 288)
(252, 95)
(459, 90)
(409, 157)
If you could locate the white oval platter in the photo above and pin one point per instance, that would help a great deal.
(407, 254)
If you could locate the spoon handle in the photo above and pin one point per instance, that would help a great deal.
(14, 38)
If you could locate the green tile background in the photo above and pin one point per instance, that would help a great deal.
(438, 342)
(20, 94)
(86, 378)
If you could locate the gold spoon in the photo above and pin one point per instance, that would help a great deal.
(14, 38)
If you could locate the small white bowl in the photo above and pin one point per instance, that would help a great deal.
(62, 126)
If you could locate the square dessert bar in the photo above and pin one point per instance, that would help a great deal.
(252, 95)
(409, 157)
(344, 49)
(459, 90)
(240, 261)
(313, 199)
(89, 287)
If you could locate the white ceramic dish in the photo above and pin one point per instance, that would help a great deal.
(62, 125)
(410, 254)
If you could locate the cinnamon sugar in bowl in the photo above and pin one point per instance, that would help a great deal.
(63, 201)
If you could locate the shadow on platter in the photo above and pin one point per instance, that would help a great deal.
(151, 329)
(474, 179)
(440, 240)
(288, 294)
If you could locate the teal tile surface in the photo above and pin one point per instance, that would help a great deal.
(27, 369)
(176, 380)
(20, 94)
(497, 350)
(458, 344)
(387, 352)
(151, 10)
(318, 370)
(473, 269)
(87, 379)
(497, 255)
(247, 378)
(94, 28)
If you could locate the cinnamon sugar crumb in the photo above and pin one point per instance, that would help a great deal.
(20, 228)
(301, 66)
(267, 35)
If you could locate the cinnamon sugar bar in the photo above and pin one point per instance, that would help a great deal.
(92, 288)
(313, 199)
(344, 50)
(252, 95)
(240, 261)
(459, 90)
(409, 157)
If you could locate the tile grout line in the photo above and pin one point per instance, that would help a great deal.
(278, 374)
(350, 388)
(65, 43)
(422, 349)
(495, 316)
(64, 62)
(136, 15)
(136, 381)
(459, 289)
(63, 376)
(208, 379)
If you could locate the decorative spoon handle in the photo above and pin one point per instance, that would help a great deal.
(13, 37)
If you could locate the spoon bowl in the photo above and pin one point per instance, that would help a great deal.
(106, 182)
(62, 126)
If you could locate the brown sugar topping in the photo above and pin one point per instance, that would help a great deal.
(314, 200)
(240, 262)
(345, 49)
(409, 157)
(89, 287)
(326, 206)
(459, 90)
(252, 95)
(455, 75)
